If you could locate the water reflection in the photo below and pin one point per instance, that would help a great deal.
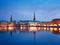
(25, 37)
(55, 30)
(37, 35)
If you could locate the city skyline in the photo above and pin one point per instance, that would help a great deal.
(11, 19)
(29, 22)
(30, 25)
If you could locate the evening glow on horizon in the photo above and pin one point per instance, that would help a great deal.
(45, 10)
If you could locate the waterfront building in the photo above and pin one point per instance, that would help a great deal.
(3, 25)
(30, 25)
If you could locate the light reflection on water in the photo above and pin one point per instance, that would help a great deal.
(26, 38)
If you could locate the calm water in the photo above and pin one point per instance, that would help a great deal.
(27, 38)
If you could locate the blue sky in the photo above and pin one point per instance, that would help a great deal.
(45, 10)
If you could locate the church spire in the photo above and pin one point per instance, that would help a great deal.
(34, 17)
(11, 18)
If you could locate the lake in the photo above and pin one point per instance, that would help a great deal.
(29, 38)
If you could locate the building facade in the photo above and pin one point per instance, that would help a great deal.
(30, 25)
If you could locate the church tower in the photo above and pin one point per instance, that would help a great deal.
(11, 18)
(34, 18)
